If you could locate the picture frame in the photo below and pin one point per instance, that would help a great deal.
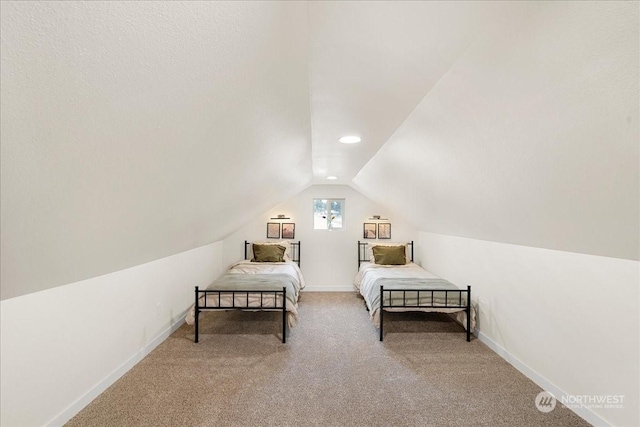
(384, 230)
(369, 230)
(273, 230)
(288, 230)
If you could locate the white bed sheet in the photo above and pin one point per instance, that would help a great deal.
(247, 267)
(370, 272)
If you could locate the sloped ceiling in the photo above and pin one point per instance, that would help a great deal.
(371, 63)
(530, 138)
(136, 130)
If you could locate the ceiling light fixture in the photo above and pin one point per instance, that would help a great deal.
(332, 177)
(351, 139)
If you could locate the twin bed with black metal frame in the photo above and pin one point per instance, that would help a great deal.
(250, 289)
(408, 287)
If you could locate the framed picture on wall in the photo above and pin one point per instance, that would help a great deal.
(384, 230)
(273, 230)
(369, 230)
(288, 230)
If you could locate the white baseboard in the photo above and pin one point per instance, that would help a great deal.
(534, 376)
(88, 397)
(348, 288)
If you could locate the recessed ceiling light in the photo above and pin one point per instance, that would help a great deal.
(332, 177)
(351, 139)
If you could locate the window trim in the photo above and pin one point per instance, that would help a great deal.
(328, 212)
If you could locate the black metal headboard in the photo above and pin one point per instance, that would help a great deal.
(363, 256)
(295, 251)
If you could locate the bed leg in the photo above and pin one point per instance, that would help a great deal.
(381, 311)
(197, 314)
(284, 315)
(468, 313)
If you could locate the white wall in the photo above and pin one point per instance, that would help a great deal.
(329, 258)
(571, 318)
(63, 346)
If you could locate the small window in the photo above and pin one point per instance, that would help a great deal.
(328, 214)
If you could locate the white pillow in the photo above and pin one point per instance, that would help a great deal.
(371, 245)
(285, 243)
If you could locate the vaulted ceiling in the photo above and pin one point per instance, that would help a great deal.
(371, 63)
(530, 138)
(136, 130)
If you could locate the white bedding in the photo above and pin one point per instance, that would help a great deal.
(369, 273)
(289, 268)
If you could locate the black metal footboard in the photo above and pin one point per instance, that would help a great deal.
(425, 293)
(233, 306)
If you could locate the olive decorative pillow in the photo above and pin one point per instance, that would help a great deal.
(268, 253)
(389, 255)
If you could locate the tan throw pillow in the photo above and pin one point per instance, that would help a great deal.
(268, 253)
(371, 245)
(389, 255)
(284, 243)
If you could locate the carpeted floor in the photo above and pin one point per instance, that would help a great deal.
(333, 371)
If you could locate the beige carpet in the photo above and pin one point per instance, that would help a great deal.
(332, 372)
